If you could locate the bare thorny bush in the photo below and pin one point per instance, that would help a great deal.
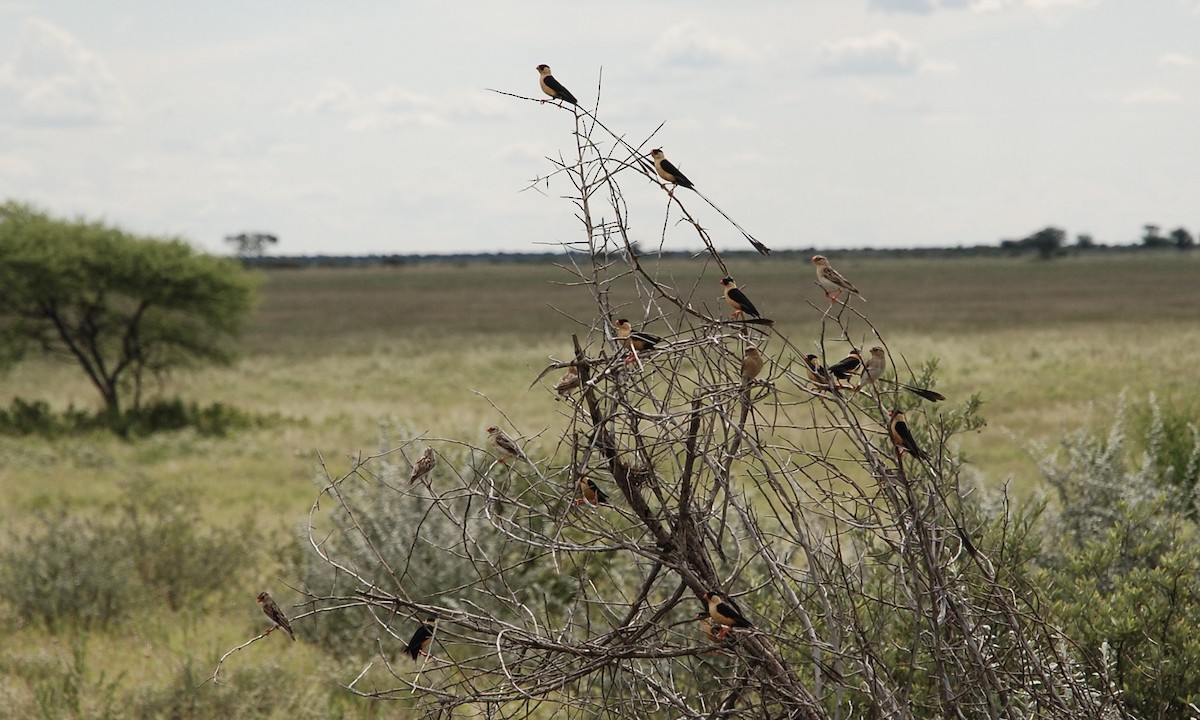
(876, 587)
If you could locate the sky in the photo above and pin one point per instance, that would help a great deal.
(368, 127)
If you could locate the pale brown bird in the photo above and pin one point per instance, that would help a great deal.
(592, 493)
(831, 281)
(272, 611)
(419, 644)
(568, 382)
(873, 368)
(422, 466)
(504, 445)
(902, 437)
(724, 612)
(752, 364)
(552, 87)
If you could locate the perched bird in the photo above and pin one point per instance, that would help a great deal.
(419, 645)
(876, 365)
(504, 445)
(847, 366)
(667, 171)
(831, 281)
(552, 87)
(752, 364)
(902, 437)
(568, 382)
(637, 342)
(873, 368)
(816, 373)
(724, 612)
(591, 492)
(737, 299)
(422, 466)
(271, 610)
(713, 632)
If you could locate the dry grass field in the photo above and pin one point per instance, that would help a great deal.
(443, 348)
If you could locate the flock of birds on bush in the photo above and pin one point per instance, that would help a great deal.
(720, 615)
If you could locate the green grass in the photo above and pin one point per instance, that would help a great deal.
(443, 348)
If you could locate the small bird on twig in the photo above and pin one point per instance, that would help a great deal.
(637, 342)
(504, 445)
(816, 373)
(847, 366)
(591, 492)
(668, 172)
(876, 365)
(419, 644)
(422, 466)
(752, 364)
(902, 437)
(272, 611)
(713, 632)
(553, 87)
(568, 382)
(724, 612)
(832, 281)
(873, 368)
(737, 299)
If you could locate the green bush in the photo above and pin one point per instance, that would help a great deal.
(61, 688)
(67, 571)
(24, 418)
(256, 691)
(1121, 565)
(92, 572)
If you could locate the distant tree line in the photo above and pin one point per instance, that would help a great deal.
(1051, 241)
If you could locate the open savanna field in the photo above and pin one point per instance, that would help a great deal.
(342, 362)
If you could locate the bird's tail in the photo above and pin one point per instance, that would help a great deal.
(753, 241)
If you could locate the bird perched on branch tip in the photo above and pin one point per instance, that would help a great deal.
(553, 87)
(832, 281)
(504, 445)
(272, 611)
(422, 466)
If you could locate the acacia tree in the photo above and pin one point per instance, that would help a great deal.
(876, 588)
(119, 305)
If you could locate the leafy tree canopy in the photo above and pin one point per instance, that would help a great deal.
(118, 304)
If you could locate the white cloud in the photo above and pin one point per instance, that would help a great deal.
(1177, 60)
(335, 97)
(396, 106)
(1150, 96)
(53, 79)
(918, 7)
(993, 5)
(689, 45)
(884, 53)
